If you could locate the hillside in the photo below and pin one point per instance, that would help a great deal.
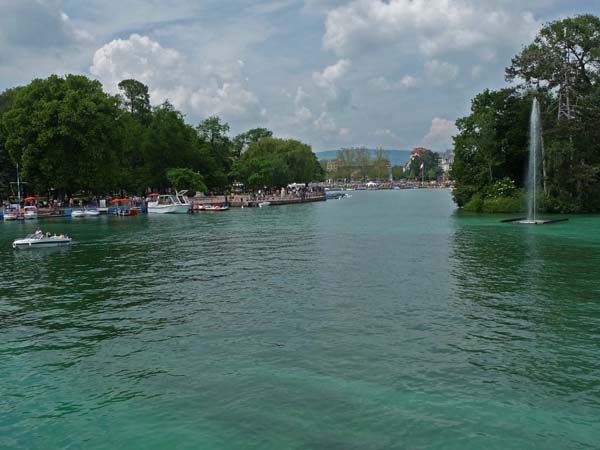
(397, 157)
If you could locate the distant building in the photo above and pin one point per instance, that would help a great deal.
(446, 161)
(333, 165)
(418, 151)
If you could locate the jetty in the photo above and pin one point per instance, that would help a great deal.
(252, 200)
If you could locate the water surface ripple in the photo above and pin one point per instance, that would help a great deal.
(387, 320)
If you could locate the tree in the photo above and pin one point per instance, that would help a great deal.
(63, 133)
(565, 55)
(381, 164)
(397, 172)
(431, 166)
(170, 143)
(7, 165)
(272, 162)
(243, 140)
(213, 135)
(186, 179)
(491, 143)
(137, 99)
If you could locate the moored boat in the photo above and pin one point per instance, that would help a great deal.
(170, 204)
(85, 213)
(30, 212)
(215, 208)
(12, 213)
(263, 204)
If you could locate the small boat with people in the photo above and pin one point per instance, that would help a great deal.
(41, 240)
(215, 208)
(263, 204)
(169, 203)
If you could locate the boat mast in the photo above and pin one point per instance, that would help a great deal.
(18, 188)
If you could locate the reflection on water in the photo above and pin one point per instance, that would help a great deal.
(529, 295)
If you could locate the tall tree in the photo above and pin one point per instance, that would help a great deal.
(136, 97)
(564, 56)
(243, 140)
(213, 135)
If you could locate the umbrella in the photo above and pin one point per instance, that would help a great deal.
(118, 200)
(154, 194)
(30, 199)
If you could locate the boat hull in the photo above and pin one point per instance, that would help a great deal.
(41, 243)
(168, 209)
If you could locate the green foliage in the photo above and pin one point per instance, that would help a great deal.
(137, 99)
(514, 203)
(272, 162)
(218, 151)
(358, 163)
(491, 143)
(7, 165)
(431, 167)
(243, 140)
(68, 135)
(63, 133)
(502, 188)
(398, 172)
(542, 64)
(186, 179)
(563, 61)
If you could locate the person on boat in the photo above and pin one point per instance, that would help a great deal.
(48, 234)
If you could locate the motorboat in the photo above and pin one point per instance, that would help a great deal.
(216, 208)
(170, 204)
(263, 204)
(12, 213)
(39, 240)
(85, 213)
(30, 212)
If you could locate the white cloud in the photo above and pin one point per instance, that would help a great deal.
(331, 74)
(383, 84)
(325, 123)
(430, 27)
(440, 134)
(204, 90)
(440, 72)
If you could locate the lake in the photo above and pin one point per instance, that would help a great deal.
(385, 320)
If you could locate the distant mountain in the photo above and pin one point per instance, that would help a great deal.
(397, 157)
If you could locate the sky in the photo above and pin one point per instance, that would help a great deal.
(332, 73)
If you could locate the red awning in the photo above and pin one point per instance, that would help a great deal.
(118, 200)
(154, 194)
(30, 199)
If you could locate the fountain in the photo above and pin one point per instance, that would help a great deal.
(533, 172)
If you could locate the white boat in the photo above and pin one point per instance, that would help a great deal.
(170, 204)
(263, 204)
(215, 208)
(11, 213)
(30, 212)
(38, 240)
(85, 213)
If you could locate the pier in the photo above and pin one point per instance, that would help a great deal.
(252, 200)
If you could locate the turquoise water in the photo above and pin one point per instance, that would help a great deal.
(386, 320)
